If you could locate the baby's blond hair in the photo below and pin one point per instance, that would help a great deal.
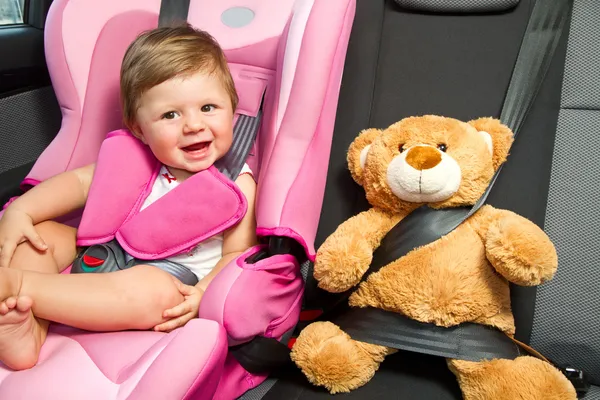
(163, 53)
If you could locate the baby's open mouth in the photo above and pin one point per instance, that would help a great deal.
(196, 146)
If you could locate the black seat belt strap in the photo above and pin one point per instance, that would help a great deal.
(173, 12)
(467, 341)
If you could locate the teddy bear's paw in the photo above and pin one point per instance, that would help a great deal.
(328, 357)
(526, 378)
(340, 266)
(520, 251)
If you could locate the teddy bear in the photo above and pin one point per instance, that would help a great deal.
(462, 277)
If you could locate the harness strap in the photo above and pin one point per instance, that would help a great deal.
(467, 341)
(173, 12)
(244, 135)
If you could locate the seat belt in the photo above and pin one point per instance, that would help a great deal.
(174, 12)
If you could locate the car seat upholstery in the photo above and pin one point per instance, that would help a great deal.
(293, 52)
(423, 59)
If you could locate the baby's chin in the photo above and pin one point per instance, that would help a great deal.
(184, 172)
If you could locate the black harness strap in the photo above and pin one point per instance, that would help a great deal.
(467, 341)
(173, 12)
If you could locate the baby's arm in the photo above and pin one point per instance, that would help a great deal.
(50, 199)
(240, 237)
(56, 196)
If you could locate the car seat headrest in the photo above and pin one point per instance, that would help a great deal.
(457, 6)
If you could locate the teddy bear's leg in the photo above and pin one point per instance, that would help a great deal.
(524, 378)
(330, 358)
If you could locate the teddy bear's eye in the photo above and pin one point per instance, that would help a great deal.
(442, 147)
(401, 148)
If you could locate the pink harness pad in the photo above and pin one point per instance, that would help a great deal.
(203, 205)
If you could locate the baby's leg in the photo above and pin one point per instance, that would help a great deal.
(22, 335)
(131, 299)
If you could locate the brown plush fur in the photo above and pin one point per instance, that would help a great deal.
(463, 277)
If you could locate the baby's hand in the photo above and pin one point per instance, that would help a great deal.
(15, 228)
(181, 313)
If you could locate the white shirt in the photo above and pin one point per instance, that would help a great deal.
(204, 257)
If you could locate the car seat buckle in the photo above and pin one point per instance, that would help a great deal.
(577, 377)
(91, 261)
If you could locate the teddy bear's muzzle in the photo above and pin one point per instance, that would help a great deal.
(423, 173)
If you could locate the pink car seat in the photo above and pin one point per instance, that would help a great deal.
(289, 51)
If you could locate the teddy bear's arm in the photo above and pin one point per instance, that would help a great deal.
(518, 249)
(346, 255)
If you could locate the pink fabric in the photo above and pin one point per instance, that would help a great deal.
(56, 156)
(270, 308)
(200, 207)
(102, 94)
(262, 54)
(236, 380)
(84, 20)
(29, 182)
(80, 137)
(5, 206)
(185, 364)
(269, 18)
(250, 83)
(263, 232)
(295, 37)
(304, 140)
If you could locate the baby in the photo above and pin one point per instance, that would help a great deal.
(178, 98)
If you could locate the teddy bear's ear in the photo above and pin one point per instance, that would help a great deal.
(497, 136)
(357, 153)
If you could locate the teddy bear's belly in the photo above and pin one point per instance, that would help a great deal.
(446, 283)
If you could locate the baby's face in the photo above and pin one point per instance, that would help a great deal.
(187, 122)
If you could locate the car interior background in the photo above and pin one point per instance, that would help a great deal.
(406, 58)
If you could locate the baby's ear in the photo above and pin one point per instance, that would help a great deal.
(498, 137)
(137, 132)
(358, 151)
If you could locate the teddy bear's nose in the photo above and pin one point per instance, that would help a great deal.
(423, 157)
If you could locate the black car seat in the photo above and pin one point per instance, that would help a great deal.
(413, 57)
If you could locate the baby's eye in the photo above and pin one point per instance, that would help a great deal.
(170, 115)
(208, 108)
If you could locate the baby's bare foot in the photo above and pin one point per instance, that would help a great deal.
(20, 335)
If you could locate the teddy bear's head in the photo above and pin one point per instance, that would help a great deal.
(429, 159)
